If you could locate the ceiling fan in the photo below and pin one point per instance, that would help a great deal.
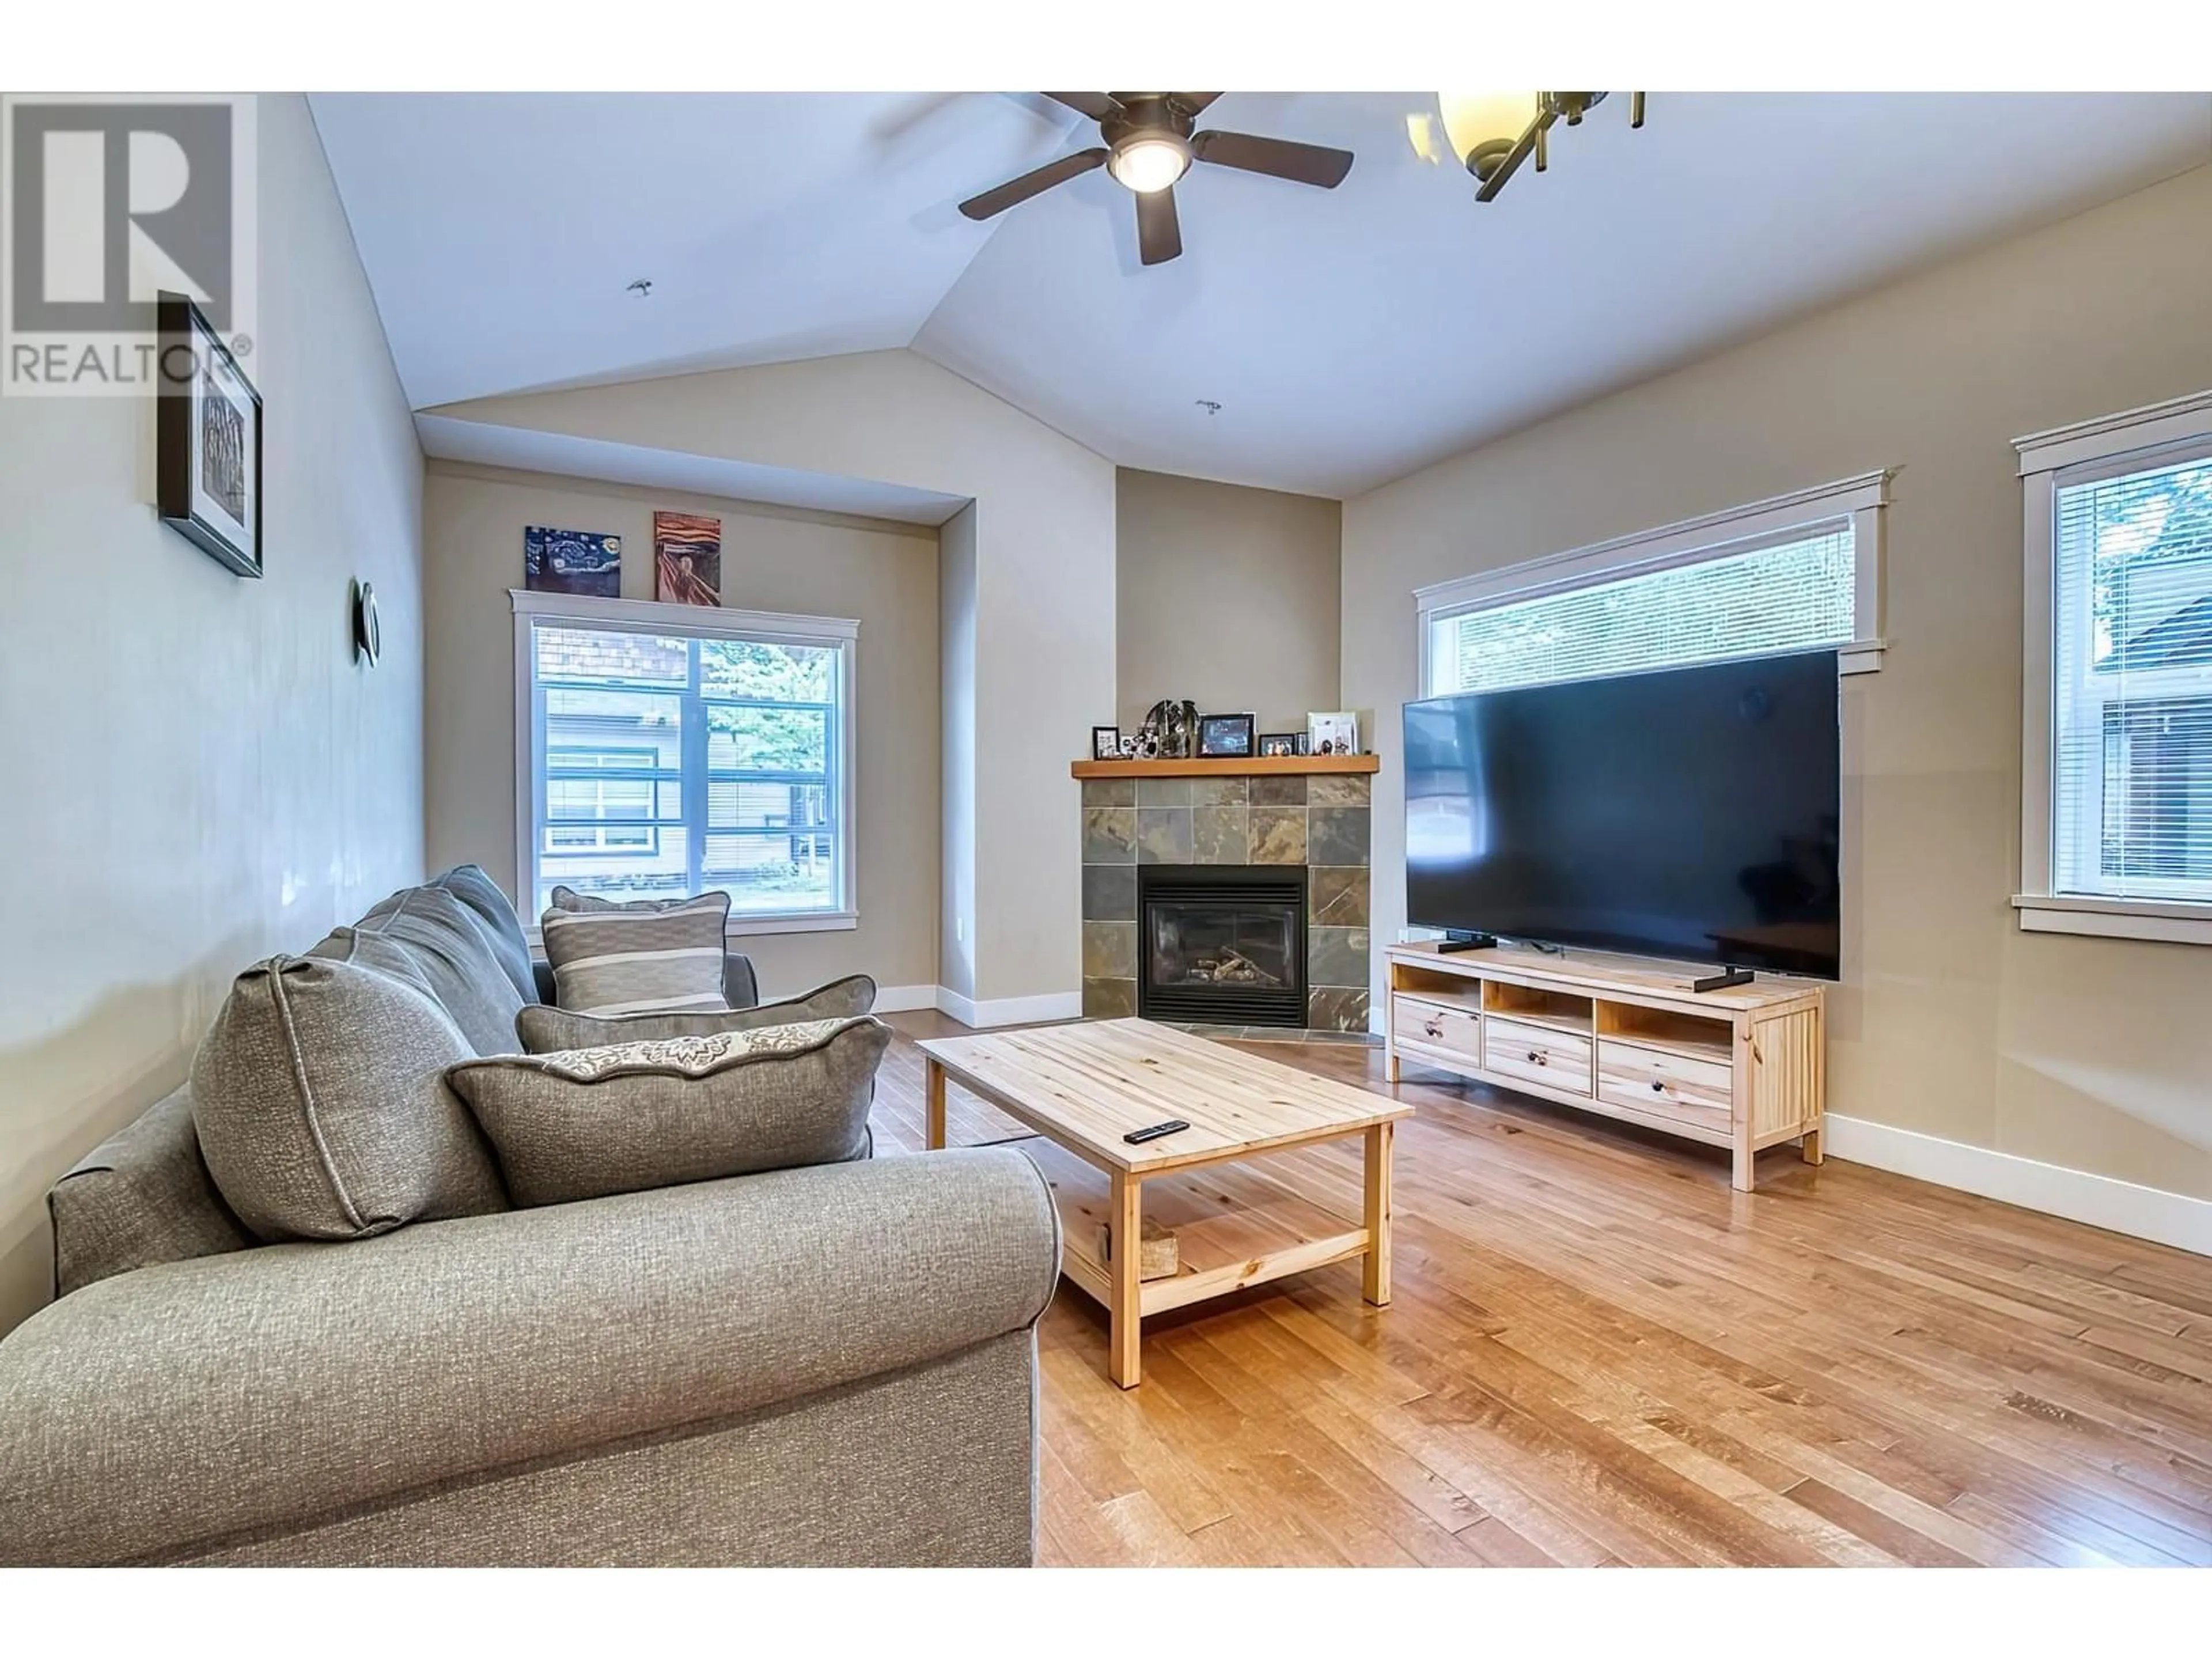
(1150, 143)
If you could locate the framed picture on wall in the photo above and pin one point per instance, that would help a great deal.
(686, 558)
(587, 562)
(207, 439)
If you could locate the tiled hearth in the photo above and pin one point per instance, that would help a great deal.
(1319, 823)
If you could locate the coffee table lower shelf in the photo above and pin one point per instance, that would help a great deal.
(1234, 1227)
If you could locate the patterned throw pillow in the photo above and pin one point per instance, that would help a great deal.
(543, 1030)
(587, 1122)
(623, 961)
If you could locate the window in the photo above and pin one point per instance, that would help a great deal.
(669, 750)
(588, 811)
(2117, 807)
(1795, 573)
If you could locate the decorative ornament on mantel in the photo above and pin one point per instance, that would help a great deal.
(1170, 731)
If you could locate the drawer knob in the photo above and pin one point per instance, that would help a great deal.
(1658, 1087)
(1433, 1027)
(1535, 1057)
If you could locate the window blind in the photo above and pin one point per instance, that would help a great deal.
(1794, 594)
(2131, 685)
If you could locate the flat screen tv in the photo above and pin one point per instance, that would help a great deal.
(1690, 813)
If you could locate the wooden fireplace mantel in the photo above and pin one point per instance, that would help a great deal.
(1255, 766)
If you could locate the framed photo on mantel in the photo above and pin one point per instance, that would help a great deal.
(1333, 733)
(1225, 737)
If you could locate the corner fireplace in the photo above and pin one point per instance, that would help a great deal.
(1222, 945)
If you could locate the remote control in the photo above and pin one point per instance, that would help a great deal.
(1173, 1126)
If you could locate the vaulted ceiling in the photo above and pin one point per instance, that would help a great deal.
(1348, 337)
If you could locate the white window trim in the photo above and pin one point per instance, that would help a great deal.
(1858, 501)
(2134, 441)
(643, 615)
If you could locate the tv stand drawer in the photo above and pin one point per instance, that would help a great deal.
(1438, 1026)
(1666, 1083)
(1537, 1054)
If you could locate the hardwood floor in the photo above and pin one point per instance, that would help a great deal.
(1599, 1354)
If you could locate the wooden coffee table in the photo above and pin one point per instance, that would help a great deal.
(1082, 1087)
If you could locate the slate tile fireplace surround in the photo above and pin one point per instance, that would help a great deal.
(1187, 833)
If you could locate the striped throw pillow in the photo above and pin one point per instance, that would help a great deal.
(634, 961)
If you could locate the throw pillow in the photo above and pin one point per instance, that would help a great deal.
(634, 961)
(545, 1029)
(567, 898)
(586, 1123)
(320, 1109)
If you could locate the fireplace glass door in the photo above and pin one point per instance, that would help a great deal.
(1247, 947)
(1222, 946)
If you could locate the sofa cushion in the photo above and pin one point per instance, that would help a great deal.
(428, 937)
(632, 961)
(503, 927)
(545, 1029)
(321, 1107)
(588, 1122)
(142, 1196)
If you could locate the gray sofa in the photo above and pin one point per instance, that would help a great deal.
(832, 1366)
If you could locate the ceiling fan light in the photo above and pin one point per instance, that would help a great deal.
(1482, 126)
(1145, 164)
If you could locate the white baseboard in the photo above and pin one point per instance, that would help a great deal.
(2118, 1207)
(1009, 1011)
(890, 998)
(904, 998)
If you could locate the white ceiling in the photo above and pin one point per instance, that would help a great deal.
(1349, 335)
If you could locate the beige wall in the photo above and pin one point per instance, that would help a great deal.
(1044, 592)
(955, 644)
(773, 559)
(2091, 1054)
(197, 773)
(1228, 596)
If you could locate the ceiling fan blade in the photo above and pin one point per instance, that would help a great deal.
(1193, 101)
(1099, 105)
(1279, 158)
(1015, 191)
(1159, 236)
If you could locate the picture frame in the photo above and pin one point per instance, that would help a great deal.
(1334, 734)
(585, 561)
(207, 439)
(1105, 743)
(686, 558)
(1225, 737)
(1281, 744)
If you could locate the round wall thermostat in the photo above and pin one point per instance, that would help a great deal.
(367, 634)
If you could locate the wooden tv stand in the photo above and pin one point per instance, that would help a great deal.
(1744, 1068)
